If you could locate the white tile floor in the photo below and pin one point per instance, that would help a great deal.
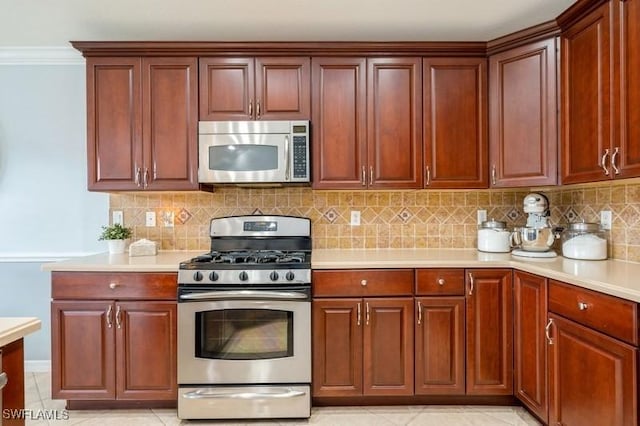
(41, 407)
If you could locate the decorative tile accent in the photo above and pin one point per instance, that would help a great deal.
(513, 214)
(183, 216)
(405, 215)
(571, 215)
(257, 212)
(331, 215)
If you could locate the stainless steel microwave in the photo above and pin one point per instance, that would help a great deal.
(253, 152)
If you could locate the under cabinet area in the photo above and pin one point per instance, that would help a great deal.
(113, 337)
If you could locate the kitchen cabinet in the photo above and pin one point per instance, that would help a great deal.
(260, 88)
(142, 123)
(530, 346)
(523, 110)
(362, 333)
(593, 357)
(113, 336)
(439, 332)
(455, 123)
(600, 93)
(366, 122)
(489, 331)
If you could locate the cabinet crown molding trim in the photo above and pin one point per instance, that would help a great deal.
(40, 56)
(539, 32)
(577, 11)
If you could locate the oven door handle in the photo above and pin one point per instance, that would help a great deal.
(213, 393)
(243, 294)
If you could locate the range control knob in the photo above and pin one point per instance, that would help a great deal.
(243, 276)
(274, 276)
(290, 276)
(213, 276)
(197, 276)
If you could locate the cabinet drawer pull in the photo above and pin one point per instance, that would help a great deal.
(583, 306)
(419, 313)
(616, 170)
(471, 284)
(4, 379)
(441, 281)
(363, 283)
(358, 314)
(547, 331)
(118, 319)
(366, 315)
(603, 161)
(113, 285)
(109, 319)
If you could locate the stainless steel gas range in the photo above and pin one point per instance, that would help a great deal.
(244, 321)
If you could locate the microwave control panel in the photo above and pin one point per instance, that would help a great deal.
(300, 157)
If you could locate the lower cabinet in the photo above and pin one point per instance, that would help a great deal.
(113, 349)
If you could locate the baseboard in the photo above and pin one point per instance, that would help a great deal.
(37, 366)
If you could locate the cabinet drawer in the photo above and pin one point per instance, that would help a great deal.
(104, 285)
(440, 282)
(363, 282)
(608, 314)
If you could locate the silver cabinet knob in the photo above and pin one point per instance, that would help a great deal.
(113, 285)
(582, 306)
(363, 283)
(441, 281)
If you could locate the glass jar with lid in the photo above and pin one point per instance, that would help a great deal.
(585, 241)
(494, 237)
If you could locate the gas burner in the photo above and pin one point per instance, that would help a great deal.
(251, 257)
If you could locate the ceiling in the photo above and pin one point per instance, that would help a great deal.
(45, 23)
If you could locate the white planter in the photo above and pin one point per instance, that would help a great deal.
(117, 246)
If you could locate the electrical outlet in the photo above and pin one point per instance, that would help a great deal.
(605, 219)
(117, 217)
(482, 216)
(150, 219)
(167, 219)
(355, 218)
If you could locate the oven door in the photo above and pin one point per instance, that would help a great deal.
(244, 337)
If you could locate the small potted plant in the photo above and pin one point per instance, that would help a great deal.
(116, 236)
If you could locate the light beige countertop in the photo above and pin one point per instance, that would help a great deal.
(12, 329)
(617, 278)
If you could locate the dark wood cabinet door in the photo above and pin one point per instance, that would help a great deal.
(283, 87)
(388, 346)
(114, 129)
(339, 122)
(439, 351)
(593, 377)
(586, 98)
(170, 122)
(83, 350)
(455, 122)
(394, 109)
(489, 332)
(628, 158)
(146, 350)
(227, 89)
(530, 316)
(337, 347)
(523, 126)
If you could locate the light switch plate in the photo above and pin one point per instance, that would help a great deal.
(355, 218)
(117, 217)
(150, 219)
(482, 216)
(168, 218)
(605, 219)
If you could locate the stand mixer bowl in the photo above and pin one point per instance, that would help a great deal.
(533, 239)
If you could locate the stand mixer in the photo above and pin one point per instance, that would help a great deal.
(536, 238)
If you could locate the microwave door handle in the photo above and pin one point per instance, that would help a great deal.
(243, 294)
(287, 159)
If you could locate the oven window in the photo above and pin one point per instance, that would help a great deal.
(237, 334)
(243, 158)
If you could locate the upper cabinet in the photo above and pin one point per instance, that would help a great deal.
(261, 88)
(600, 92)
(366, 122)
(523, 110)
(455, 117)
(142, 123)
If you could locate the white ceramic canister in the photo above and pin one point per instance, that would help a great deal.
(494, 237)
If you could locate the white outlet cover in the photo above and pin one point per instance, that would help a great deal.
(355, 217)
(605, 219)
(117, 217)
(482, 216)
(150, 219)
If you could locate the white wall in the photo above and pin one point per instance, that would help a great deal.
(46, 212)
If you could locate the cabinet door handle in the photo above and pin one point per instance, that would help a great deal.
(109, 319)
(155, 171)
(603, 161)
(145, 178)
(364, 176)
(471, 284)
(366, 315)
(258, 108)
(616, 170)
(358, 315)
(419, 313)
(138, 176)
(427, 176)
(118, 319)
(4, 379)
(370, 175)
(250, 108)
(583, 306)
(547, 331)
(441, 281)
(493, 174)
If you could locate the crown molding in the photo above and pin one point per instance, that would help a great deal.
(40, 56)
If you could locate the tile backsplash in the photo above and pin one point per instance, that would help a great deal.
(389, 219)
